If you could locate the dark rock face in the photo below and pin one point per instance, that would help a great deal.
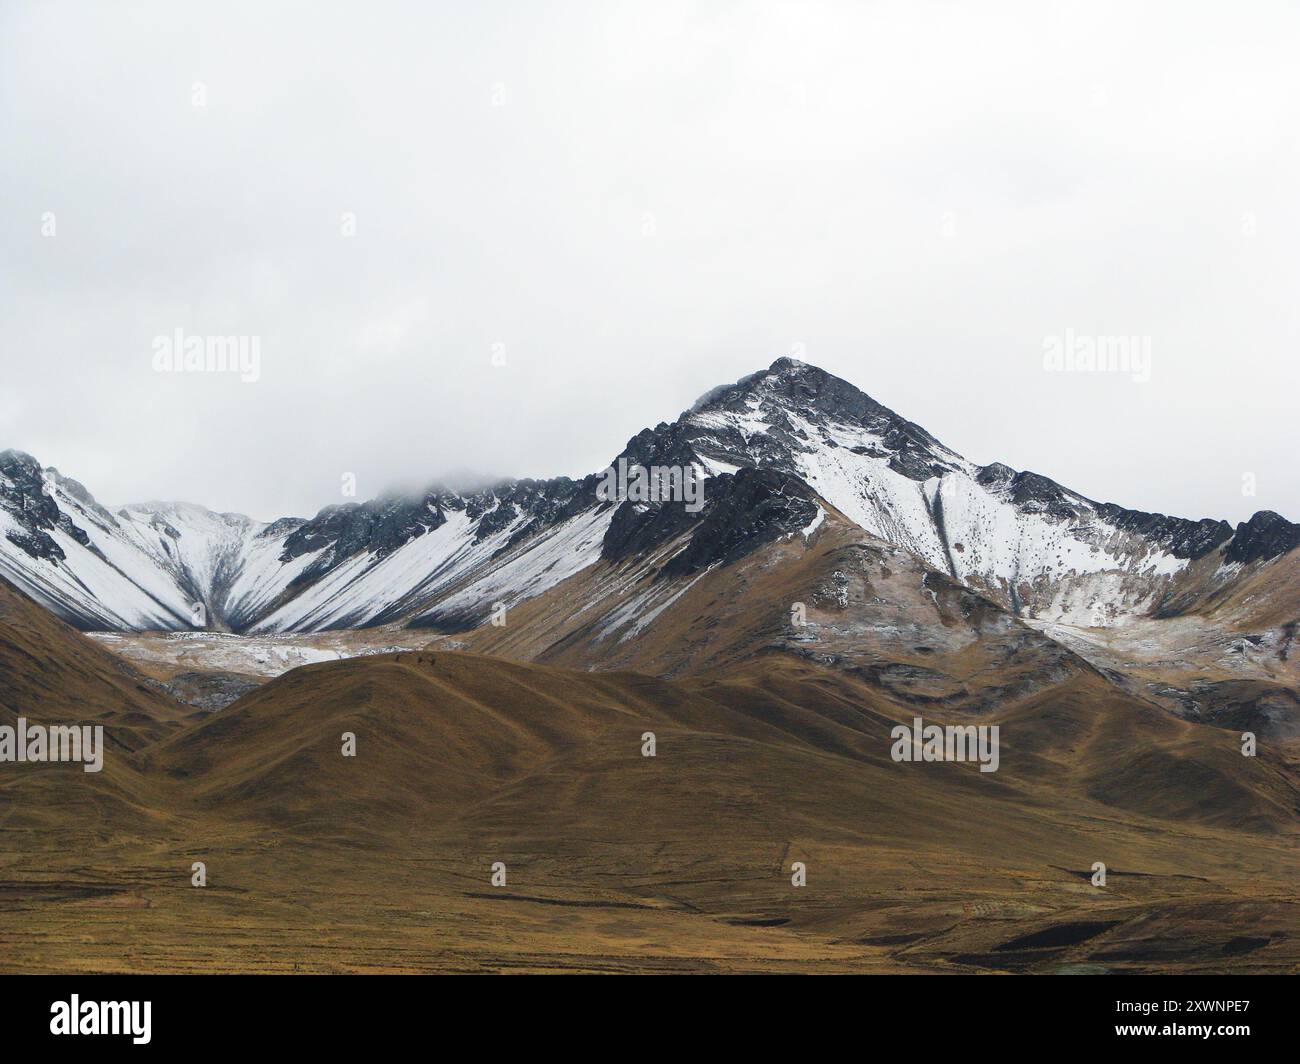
(995, 474)
(1267, 709)
(1181, 537)
(1035, 493)
(637, 529)
(282, 527)
(495, 520)
(37, 544)
(24, 498)
(211, 691)
(746, 511)
(380, 526)
(1266, 535)
(545, 502)
(741, 512)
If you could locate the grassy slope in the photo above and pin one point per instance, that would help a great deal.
(618, 862)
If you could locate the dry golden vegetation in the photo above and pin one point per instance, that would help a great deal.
(616, 862)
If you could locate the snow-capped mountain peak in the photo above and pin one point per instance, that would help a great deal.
(1019, 537)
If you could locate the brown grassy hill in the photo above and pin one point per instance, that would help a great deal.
(682, 861)
(619, 862)
(450, 730)
(51, 672)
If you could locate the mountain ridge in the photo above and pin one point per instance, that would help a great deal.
(1018, 536)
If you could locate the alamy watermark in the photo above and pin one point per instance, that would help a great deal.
(931, 742)
(1081, 353)
(179, 353)
(637, 483)
(35, 743)
(102, 1017)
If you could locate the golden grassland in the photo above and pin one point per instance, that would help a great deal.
(618, 862)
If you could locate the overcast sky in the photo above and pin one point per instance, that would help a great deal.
(637, 202)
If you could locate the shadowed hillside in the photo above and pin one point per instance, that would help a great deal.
(50, 670)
